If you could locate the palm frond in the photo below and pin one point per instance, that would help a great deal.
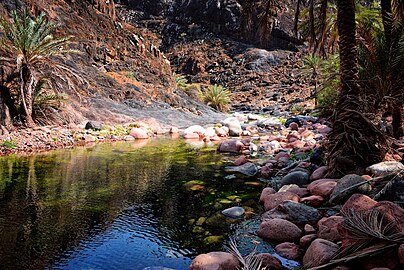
(248, 262)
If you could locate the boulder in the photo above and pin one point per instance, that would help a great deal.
(240, 161)
(297, 213)
(248, 169)
(221, 132)
(269, 261)
(215, 261)
(298, 177)
(265, 193)
(322, 187)
(94, 125)
(234, 126)
(301, 192)
(139, 133)
(287, 187)
(328, 228)
(288, 250)
(319, 173)
(346, 187)
(306, 240)
(195, 129)
(230, 146)
(393, 215)
(357, 203)
(319, 252)
(279, 230)
(273, 200)
(191, 136)
(385, 167)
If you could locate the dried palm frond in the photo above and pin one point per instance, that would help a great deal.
(248, 262)
(369, 235)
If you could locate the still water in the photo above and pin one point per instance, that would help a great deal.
(115, 206)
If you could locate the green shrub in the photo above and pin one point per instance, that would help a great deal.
(181, 81)
(217, 97)
(10, 144)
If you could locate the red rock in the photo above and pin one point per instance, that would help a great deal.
(276, 199)
(313, 200)
(267, 170)
(282, 155)
(357, 203)
(401, 254)
(319, 252)
(279, 230)
(328, 228)
(139, 133)
(387, 260)
(231, 146)
(322, 187)
(393, 215)
(288, 250)
(265, 193)
(319, 173)
(269, 261)
(296, 144)
(294, 126)
(306, 240)
(215, 261)
(308, 229)
(240, 161)
(221, 132)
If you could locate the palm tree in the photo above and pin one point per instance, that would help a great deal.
(354, 142)
(31, 45)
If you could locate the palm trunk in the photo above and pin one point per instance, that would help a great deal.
(354, 142)
(26, 95)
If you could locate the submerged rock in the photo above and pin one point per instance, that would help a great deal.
(235, 212)
(215, 261)
(248, 169)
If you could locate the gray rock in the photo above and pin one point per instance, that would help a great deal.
(271, 122)
(294, 212)
(299, 178)
(93, 125)
(385, 167)
(248, 169)
(234, 126)
(346, 187)
(235, 212)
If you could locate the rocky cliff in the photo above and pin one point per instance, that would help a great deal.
(124, 74)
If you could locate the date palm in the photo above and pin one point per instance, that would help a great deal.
(30, 44)
(354, 142)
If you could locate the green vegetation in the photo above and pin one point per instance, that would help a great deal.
(28, 45)
(10, 144)
(217, 97)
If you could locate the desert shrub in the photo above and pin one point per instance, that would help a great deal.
(217, 97)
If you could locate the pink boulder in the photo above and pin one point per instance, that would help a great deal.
(328, 228)
(215, 261)
(276, 199)
(322, 187)
(306, 240)
(288, 250)
(319, 173)
(265, 193)
(139, 133)
(269, 261)
(319, 252)
(357, 203)
(279, 230)
(313, 200)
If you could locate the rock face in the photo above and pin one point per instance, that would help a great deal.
(279, 230)
(345, 188)
(319, 252)
(215, 261)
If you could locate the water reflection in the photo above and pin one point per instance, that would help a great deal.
(110, 206)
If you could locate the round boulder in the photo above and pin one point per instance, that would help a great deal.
(298, 177)
(319, 252)
(273, 200)
(279, 230)
(288, 250)
(346, 186)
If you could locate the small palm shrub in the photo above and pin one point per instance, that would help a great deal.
(217, 97)
(181, 81)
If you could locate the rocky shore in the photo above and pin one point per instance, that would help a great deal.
(321, 222)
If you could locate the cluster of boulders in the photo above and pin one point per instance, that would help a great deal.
(307, 215)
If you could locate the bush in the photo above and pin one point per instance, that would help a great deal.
(217, 97)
